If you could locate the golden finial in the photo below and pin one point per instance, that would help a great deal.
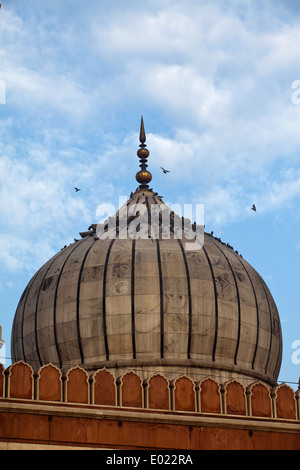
(142, 132)
(143, 176)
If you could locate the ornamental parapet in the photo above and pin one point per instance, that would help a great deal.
(101, 388)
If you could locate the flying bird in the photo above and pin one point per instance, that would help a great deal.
(253, 208)
(77, 189)
(165, 171)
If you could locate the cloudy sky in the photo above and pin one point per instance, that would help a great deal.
(214, 82)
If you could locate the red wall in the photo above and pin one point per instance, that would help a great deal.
(181, 401)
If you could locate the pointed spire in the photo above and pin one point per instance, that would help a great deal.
(143, 176)
(142, 132)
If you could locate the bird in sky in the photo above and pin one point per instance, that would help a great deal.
(165, 171)
(77, 189)
(253, 208)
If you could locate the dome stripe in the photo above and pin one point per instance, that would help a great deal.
(161, 294)
(257, 311)
(133, 299)
(239, 303)
(161, 298)
(23, 316)
(78, 302)
(216, 305)
(279, 354)
(13, 341)
(189, 297)
(271, 323)
(149, 216)
(104, 300)
(279, 357)
(136, 204)
(57, 346)
(36, 308)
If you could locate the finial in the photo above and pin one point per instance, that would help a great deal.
(143, 176)
(142, 132)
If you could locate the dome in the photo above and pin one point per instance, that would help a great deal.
(150, 304)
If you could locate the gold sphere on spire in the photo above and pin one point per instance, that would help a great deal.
(143, 177)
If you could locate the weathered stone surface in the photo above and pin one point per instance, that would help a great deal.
(150, 304)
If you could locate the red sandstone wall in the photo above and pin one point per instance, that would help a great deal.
(19, 381)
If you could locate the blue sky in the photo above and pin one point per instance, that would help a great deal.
(213, 81)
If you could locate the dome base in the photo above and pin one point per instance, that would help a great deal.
(170, 368)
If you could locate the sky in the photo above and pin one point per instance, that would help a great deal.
(218, 85)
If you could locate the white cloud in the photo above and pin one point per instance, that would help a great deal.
(216, 77)
(282, 193)
(37, 75)
(40, 211)
(32, 200)
(26, 88)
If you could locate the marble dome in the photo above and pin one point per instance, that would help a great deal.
(150, 305)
